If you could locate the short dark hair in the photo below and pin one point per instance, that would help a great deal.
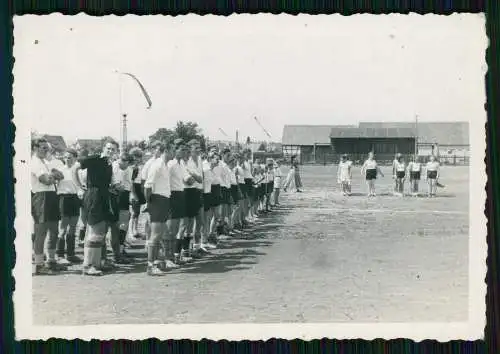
(110, 141)
(37, 142)
(72, 152)
(158, 144)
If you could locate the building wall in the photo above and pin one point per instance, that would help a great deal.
(378, 146)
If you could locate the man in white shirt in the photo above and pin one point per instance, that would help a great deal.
(44, 208)
(277, 182)
(225, 193)
(250, 190)
(122, 178)
(179, 178)
(194, 195)
(157, 194)
(69, 209)
(208, 200)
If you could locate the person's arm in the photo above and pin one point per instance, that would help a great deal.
(363, 168)
(350, 171)
(393, 169)
(151, 177)
(379, 170)
(437, 170)
(196, 176)
(42, 174)
(76, 176)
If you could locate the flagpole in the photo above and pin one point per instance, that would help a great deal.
(416, 136)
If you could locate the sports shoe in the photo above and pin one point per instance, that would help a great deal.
(107, 266)
(41, 269)
(73, 259)
(170, 265)
(52, 264)
(203, 250)
(208, 246)
(155, 271)
(92, 271)
(184, 257)
(121, 260)
(63, 261)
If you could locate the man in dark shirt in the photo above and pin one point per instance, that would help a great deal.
(99, 210)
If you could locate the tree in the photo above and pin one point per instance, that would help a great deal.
(184, 130)
(166, 136)
(188, 131)
(262, 147)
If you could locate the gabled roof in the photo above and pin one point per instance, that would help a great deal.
(56, 141)
(308, 134)
(443, 133)
(372, 132)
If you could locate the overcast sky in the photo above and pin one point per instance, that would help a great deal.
(222, 71)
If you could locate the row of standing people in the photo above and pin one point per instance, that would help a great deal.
(192, 200)
(401, 171)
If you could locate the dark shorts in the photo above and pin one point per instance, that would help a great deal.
(69, 205)
(415, 175)
(269, 187)
(159, 208)
(371, 174)
(99, 205)
(225, 195)
(139, 192)
(432, 174)
(193, 201)
(243, 190)
(400, 174)
(178, 204)
(235, 193)
(207, 201)
(255, 193)
(216, 195)
(249, 187)
(124, 200)
(45, 207)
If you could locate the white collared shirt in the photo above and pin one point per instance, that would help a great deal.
(232, 177)
(247, 170)
(38, 168)
(124, 177)
(217, 174)
(158, 178)
(178, 173)
(207, 177)
(145, 168)
(196, 168)
(225, 175)
(68, 184)
(240, 174)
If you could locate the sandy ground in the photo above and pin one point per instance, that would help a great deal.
(320, 258)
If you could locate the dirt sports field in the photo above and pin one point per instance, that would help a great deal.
(320, 258)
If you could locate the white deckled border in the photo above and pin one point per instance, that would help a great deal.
(471, 330)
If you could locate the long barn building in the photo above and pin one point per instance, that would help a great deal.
(325, 143)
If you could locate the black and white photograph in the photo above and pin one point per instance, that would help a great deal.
(250, 176)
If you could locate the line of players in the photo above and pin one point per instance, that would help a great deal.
(400, 172)
(193, 199)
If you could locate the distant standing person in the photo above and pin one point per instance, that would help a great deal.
(398, 174)
(414, 170)
(432, 168)
(370, 169)
(294, 174)
(344, 175)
